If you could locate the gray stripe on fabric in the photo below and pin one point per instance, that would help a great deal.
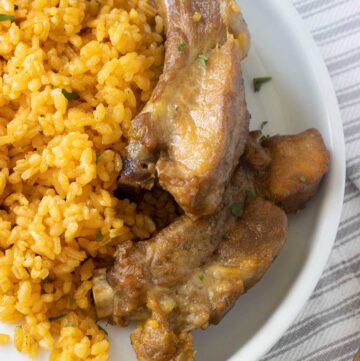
(349, 96)
(337, 273)
(338, 39)
(311, 330)
(347, 200)
(354, 179)
(353, 169)
(349, 105)
(343, 71)
(348, 229)
(344, 275)
(347, 356)
(343, 263)
(333, 344)
(351, 346)
(345, 62)
(350, 188)
(350, 122)
(348, 220)
(353, 193)
(306, 16)
(341, 55)
(298, 2)
(352, 131)
(339, 244)
(352, 140)
(326, 311)
(331, 25)
(345, 89)
(334, 312)
(315, 5)
(278, 351)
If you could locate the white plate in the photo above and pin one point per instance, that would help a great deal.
(299, 97)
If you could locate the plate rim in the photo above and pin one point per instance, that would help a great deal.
(313, 267)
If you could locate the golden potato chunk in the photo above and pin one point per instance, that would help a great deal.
(298, 163)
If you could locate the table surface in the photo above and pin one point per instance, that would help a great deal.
(328, 329)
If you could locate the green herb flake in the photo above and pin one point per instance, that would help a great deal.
(201, 276)
(99, 237)
(59, 317)
(263, 125)
(250, 194)
(236, 210)
(70, 324)
(263, 139)
(6, 17)
(302, 179)
(203, 58)
(259, 82)
(46, 280)
(98, 156)
(102, 329)
(181, 45)
(70, 95)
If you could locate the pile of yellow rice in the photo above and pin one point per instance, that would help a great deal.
(60, 159)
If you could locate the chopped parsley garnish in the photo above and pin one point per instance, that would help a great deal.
(6, 17)
(59, 317)
(250, 194)
(70, 324)
(203, 58)
(263, 125)
(302, 179)
(259, 82)
(236, 210)
(264, 138)
(98, 156)
(99, 237)
(181, 45)
(102, 329)
(201, 276)
(46, 280)
(70, 95)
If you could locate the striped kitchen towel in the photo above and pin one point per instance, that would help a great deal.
(328, 328)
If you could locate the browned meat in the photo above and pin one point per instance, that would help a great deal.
(218, 19)
(255, 155)
(193, 130)
(192, 272)
(288, 169)
(243, 257)
(156, 341)
(298, 163)
(161, 261)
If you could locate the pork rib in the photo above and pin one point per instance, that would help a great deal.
(194, 128)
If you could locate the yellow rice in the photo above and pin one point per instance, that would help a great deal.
(60, 158)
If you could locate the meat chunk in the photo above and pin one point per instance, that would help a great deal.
(255, 155)
(298, 163)
(192, 272)
(288, 169)
(156, 341)
(194, 128)
(208, 126)
(103, 294)
(172, 255)
(244, 255)
(218, 19)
